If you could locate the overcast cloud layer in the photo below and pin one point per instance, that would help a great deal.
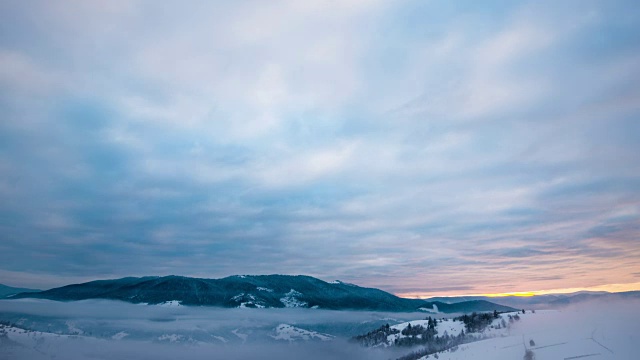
(415, 146)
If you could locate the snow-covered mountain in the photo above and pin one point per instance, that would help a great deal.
(245, 291)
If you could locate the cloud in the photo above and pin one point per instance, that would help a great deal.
(403, 144)
(199, 329)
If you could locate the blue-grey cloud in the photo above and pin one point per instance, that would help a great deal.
(398, 144)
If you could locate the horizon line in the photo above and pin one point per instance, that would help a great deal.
(609, 288)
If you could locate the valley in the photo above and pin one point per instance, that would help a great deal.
(103, 329)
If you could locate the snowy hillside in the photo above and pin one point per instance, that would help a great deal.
(557, 335)
(292, 333)
(546, 334)
(18, 343)
(437, 334)
(447, 326)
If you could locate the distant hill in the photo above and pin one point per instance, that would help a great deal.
(261, 291)
(541, 301)
(6, 291)
(585, 296)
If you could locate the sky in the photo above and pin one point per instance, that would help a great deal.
(421, 147)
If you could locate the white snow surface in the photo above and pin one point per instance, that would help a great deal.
(171, 338)
(291, 333)
(242, 336)
(290, 300)
(241, 296)
(564, 335)
(172, 303)
(247, 304)
(260, 288)
(220, 338)
(595, 331)
(120, 335)
(338, 282)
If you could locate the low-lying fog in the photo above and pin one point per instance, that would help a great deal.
(114, 330)
(166, 332)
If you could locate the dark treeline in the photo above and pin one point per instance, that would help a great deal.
(477, 322)
(375, 337)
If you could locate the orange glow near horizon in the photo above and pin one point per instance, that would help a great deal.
(612, 288)
(518, 294)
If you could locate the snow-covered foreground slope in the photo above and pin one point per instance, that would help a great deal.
(435, 334)
(587, 332)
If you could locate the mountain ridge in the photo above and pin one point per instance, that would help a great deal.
(7, 291)
(252, 291)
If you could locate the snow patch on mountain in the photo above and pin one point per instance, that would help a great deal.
(242, 336)
(290, 300)
(172, 303)
(291, 333)
(260, 288)
(119, 336)
(434, 310)
(548, 335)
(248, 301)
(172, 338)
(338, 282)
(250, 305)
(220, 338)
(243, 296)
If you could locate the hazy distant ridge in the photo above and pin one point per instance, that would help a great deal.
(270, 291)
(543, 301)
(6, 291)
